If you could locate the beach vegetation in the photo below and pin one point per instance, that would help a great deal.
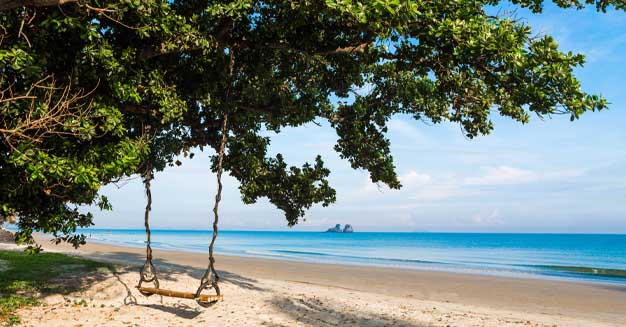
(95, 91)
(25, 278)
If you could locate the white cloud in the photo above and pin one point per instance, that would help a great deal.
(405, 133)
(506, 175)
(502, 175)
(433, 192)
(369, 188)
(487, 218)
(437, 192)
(423, 188)
(414, 178)
(410, 180)
(417, 186)
(561, 174)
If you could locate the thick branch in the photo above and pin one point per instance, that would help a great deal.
(346, 50)
(12, 4)
(149, 53)
(136, 109)
(268, 110)
(360, 48)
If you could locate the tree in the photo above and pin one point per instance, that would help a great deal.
(154, 79)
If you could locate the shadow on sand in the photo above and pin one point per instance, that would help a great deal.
(313, 312)
(74, 279)
(180, 310)
(166, 269)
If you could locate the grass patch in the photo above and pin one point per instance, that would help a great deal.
(23, 277)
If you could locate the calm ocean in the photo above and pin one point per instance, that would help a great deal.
(600, 258)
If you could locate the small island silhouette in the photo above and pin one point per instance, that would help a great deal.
(337, 229)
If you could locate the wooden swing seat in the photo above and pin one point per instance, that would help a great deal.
(182, 295)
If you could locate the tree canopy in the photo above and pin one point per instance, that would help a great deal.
(93, 91)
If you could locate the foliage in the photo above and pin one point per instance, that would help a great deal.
(10, 304)
(26, 275)
(152, 81)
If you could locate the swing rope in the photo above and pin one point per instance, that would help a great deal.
(210, 278)
(148, 271)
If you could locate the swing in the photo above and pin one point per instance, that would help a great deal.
(210, 278)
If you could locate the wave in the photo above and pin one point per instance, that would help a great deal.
(577, 270)
(304, 252)
(588, 271)
(321, 254)
(467, 255)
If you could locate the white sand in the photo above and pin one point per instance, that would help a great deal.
(254, 298)
(271, 303)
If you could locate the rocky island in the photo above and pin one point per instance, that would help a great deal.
(337, 229)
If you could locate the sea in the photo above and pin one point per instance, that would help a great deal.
(578, 257)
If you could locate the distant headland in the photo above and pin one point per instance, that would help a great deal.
(337, 229)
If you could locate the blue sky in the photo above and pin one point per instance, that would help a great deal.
(548, 176)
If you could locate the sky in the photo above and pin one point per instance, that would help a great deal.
(549, 176)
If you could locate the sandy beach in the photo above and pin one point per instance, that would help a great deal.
(281, 293)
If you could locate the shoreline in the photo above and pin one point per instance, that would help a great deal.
(582, 269)
(559, 270)
(603, 304)
(580, 278)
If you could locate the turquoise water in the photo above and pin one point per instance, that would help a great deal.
(600, 258)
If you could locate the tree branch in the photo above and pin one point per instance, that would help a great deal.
(12, 4)
(360, 48)
(268, 110)
(149, 53)
(65, 109)
(136, 109)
